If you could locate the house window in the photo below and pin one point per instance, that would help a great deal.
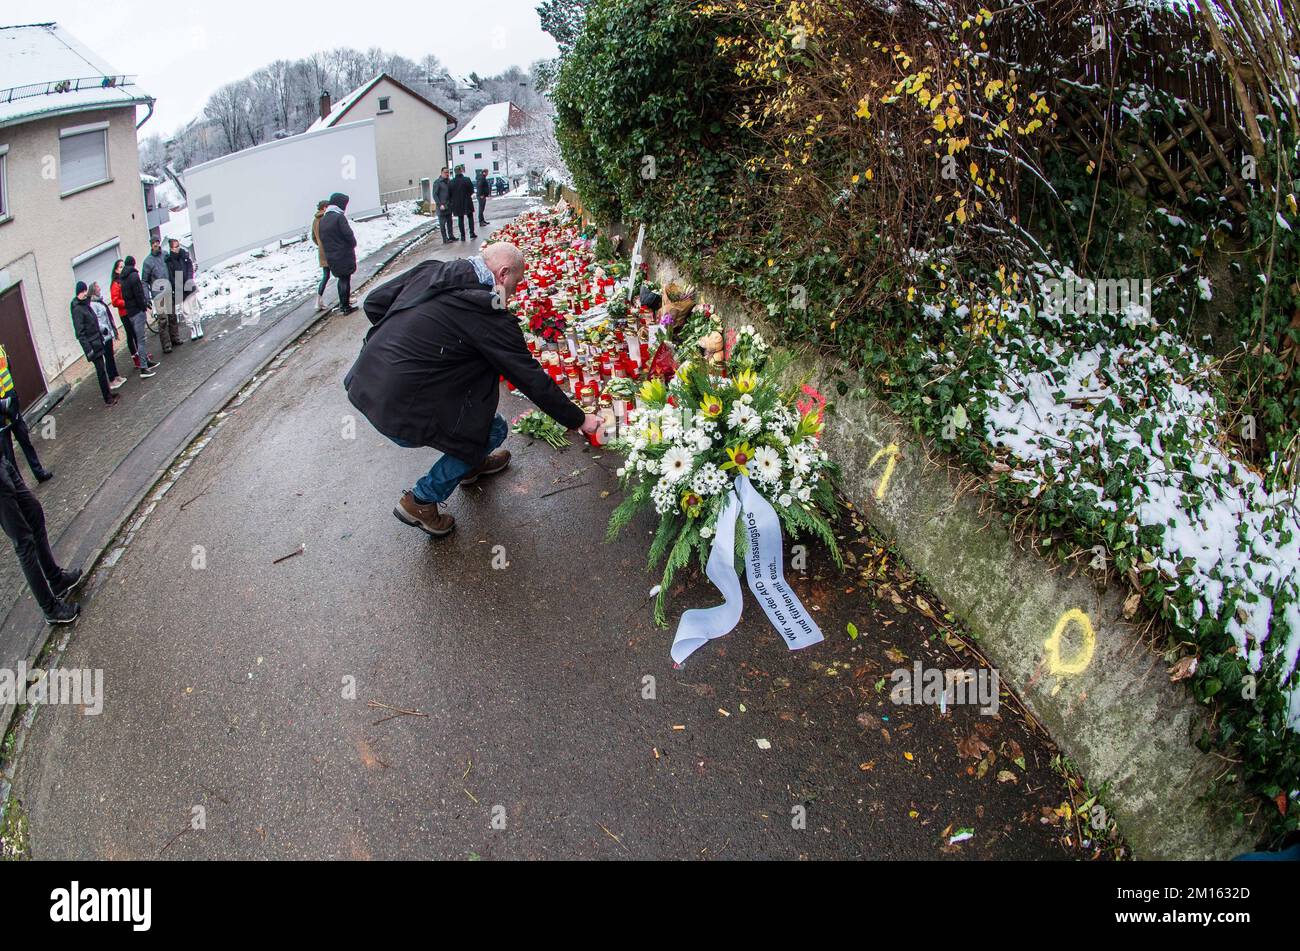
(4, 183)
(494, 147)
(462, 150)
(478, 155)
(383, 104)
(83, 157)
(494, 166)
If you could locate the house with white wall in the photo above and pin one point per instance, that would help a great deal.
(71, 200)
(410, 132)
(491, 141)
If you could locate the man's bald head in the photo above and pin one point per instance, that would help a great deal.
(506, 262)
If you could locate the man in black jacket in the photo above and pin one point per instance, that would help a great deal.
(340, 247)
(429, 369)
(482, 188)
(180, 274)
(86, 324)
(442, 204)
(462, 201)
(137, 303)
(23, 520)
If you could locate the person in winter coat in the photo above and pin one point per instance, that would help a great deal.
(23, 520)
(86, 324)
(137, 338)
(13, 426)
(180, 277)
(429, 369)
(462, 201)
(320, 254)
(153, 273)
(339, 245)
(108, 331)
(482, 189)
(442, 204)
(137, 303)
(115, 298)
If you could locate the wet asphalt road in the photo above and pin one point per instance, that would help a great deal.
(229, 679)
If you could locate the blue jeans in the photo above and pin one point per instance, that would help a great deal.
(442, 479)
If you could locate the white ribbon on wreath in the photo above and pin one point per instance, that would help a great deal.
(764, 558)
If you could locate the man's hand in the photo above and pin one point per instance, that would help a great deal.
(591, 425)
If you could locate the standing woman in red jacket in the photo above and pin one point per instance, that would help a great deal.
(139, 352)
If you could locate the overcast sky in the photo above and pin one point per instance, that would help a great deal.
(181, 52)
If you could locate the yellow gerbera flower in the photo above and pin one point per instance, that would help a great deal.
(711, 406)
(746, 381)
(739, 458)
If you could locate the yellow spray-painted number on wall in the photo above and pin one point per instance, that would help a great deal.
(1080, 661)
(891, 451)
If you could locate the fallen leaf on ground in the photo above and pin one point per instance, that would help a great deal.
(1183, 669)
(972, 747)
(1131, 604)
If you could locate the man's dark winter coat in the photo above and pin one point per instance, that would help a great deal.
(428, 372)
(462, 195)
(441, 193)
(483, 186)
(338, 242)
(86, 325)
(134, 295)
(180, 272)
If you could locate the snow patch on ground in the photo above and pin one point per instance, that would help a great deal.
(250, 284)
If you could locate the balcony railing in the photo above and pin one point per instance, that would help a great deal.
(57, 87)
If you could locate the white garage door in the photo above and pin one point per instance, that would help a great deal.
(96, 265)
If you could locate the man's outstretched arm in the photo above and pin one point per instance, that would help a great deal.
(502, 344)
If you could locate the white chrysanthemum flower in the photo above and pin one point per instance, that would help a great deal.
(620, 472)
(804, 494)
(785, 501)
(706, 532)
(796, 483)
(766, 465)
(677, 464)
(709, 480)
(798, 461)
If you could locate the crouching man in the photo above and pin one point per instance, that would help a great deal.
(429, 369)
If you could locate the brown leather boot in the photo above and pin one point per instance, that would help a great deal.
(424, 517)
(493, 464)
